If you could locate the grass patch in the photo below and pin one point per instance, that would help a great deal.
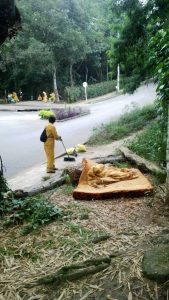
(150, 144)
(66, 190)
(129, 123)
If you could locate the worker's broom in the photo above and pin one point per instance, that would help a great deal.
(67, 158)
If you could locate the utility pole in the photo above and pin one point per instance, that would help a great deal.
(118, 77)
(118, 70)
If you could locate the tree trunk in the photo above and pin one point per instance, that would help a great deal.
(55, 88)
(3, 184)
(71, 75)
(142, 163)
(167, 161)
(86, 73)
(107, 71)
(14, 77)
(118, 78)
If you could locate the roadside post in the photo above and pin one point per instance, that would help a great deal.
(85, 87)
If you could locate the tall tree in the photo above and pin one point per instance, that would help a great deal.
(128, 40)
(159, 54)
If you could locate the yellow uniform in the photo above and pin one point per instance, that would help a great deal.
(52, 97)
(49, 146)
(15, 97)
(39, 98)
(45, 97)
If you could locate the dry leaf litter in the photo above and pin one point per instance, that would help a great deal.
(131, 224)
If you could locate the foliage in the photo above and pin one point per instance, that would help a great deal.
(159, 52)
(62, 38)
(63, 113)
(45, 114)
(149, 144)
(66, 113)
(128, 123)
(128, 41)
(3, 186)
(130, 84)
(99, 89)
(73, 94)
(3, 183)
(36, 211)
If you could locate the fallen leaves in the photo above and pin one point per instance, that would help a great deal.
(129, 224)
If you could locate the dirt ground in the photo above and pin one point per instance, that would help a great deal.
(132, 224)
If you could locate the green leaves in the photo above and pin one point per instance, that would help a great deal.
(66, 35)
(150, 144)
(128, 41)
(36, 211)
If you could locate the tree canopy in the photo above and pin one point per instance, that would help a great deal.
(59, 39)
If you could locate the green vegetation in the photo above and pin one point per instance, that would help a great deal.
(45, 114)
(62, 43)
(128, 41)
(130, 122)
(31, 211)
(73, 94)
(149, 144)
(3, 186)
(69, 112)
(63, 113)
(67, 189)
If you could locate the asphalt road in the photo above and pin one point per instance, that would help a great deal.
(20, 147)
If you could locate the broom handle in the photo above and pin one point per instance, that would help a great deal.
(64, 148)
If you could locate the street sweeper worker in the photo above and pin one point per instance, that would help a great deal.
(49, 145)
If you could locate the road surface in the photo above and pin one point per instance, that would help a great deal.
(20, 147)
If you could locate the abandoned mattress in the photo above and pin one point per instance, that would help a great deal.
(99, 181)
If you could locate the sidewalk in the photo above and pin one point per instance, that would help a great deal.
(37, 178)
(38, 105)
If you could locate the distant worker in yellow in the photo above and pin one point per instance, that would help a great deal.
(15, 97)
(52, 97)
(10, 99)
(49, 145)
(39, 97)
(45, 97)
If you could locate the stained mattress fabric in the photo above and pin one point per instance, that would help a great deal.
(99, 181)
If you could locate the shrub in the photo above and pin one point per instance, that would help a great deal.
(73, 94)
(130, 84)
(35, 211)
(45, 114)
(139, 117)
(3, 101)
(150, 144)
(66, 113)
(102, 88)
